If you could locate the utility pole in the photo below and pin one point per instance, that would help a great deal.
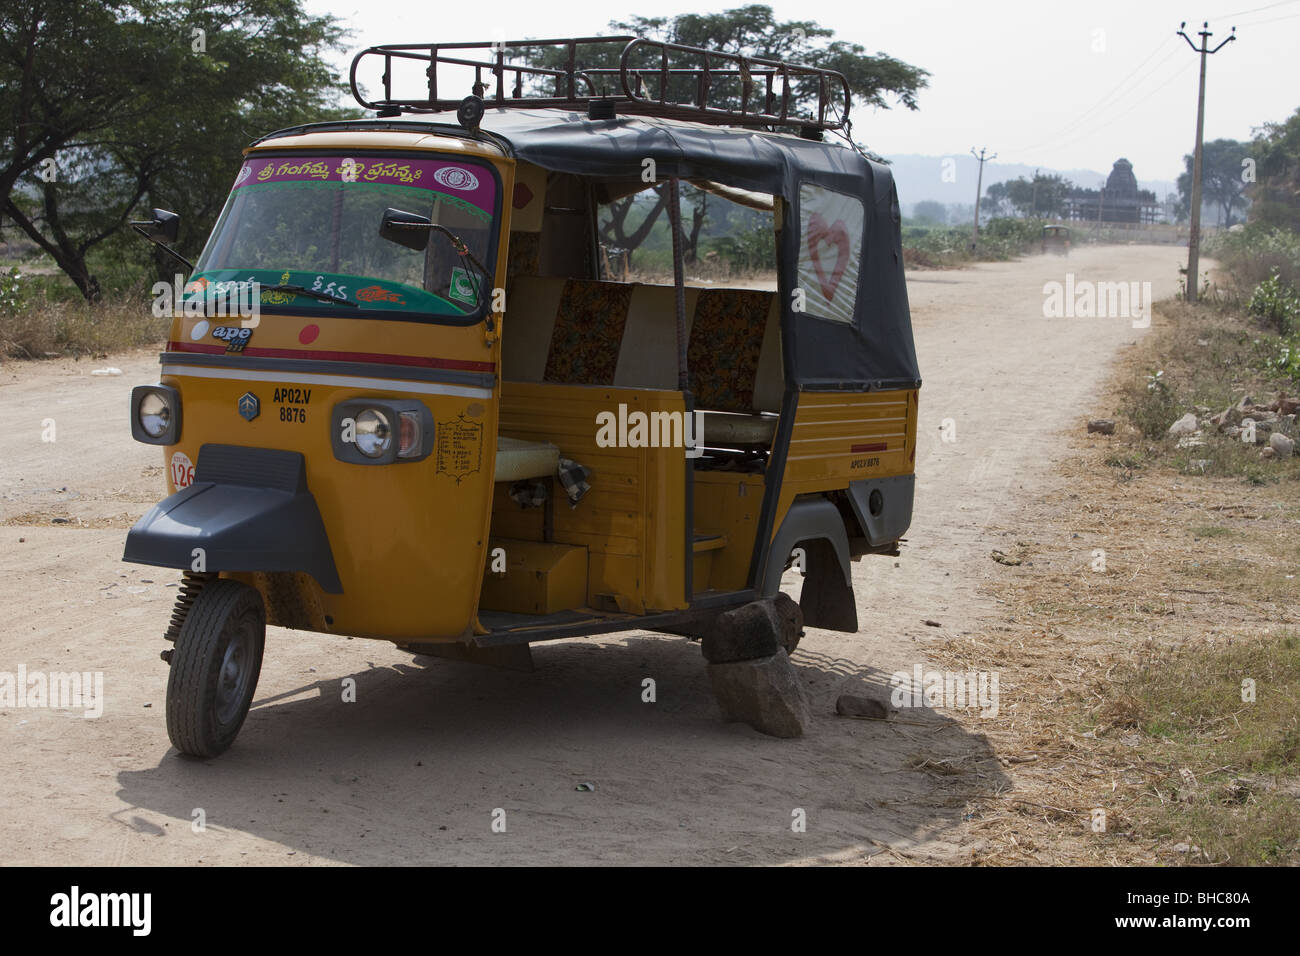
(1194, 241)
(1033, 213)
(979, 188)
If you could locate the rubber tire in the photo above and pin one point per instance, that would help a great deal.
(218, 612)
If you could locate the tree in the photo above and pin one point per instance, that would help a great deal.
(1043, 196)
(1275, 196)
(113, 103)
(616, 229)
(753, 30)
(930, 212)
(1048, 195)
(998, 198)
(1222, 184)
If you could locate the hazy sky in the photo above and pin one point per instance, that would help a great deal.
(1059, 85)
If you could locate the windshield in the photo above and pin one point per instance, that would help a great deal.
(313, 222)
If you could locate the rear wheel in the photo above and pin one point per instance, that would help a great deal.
(214, 668)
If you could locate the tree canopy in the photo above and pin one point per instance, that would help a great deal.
(1044, 196)
(114, 106)
(1275, 194)
(1222, 182)
(875, 80)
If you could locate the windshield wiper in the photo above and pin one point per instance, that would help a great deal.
(310, 293)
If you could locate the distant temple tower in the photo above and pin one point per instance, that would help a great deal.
(1119, 201)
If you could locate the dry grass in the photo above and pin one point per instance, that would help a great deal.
(1121, 682)
(46, 328)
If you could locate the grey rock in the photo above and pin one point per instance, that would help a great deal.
(1102, 426)
(1282, 445)
(789, 618)
(851, 705)
(754, 630)
(1187, 425)
(765, 693)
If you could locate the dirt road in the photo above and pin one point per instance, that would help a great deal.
(413, 771)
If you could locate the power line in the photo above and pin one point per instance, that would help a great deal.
(1260, 23)
(1145, 100)
(1103, 100)
(1079, 131)
(1121, 85)
(1242, 13)
(1091, 127)
(1130, 89)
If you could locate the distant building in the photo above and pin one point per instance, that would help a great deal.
(1119, 200)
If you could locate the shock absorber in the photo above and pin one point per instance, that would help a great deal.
(192, 582)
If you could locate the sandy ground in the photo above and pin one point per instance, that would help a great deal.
(413, 771)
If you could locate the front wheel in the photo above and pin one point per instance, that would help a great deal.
(214, 668)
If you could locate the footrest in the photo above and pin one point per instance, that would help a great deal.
(709, 541)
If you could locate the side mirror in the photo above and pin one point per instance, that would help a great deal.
(163, 227)
(405, 228)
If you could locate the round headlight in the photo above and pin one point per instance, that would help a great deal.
(374, 433)
(155, 414)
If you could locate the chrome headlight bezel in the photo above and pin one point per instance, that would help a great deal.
(393, 410)
(171, 398)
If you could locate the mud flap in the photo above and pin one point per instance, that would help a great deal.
(248, 510)
(815, 525)
(827, 600)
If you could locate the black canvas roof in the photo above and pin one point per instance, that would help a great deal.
(875, 351)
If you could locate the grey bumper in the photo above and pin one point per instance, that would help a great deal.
(248, 510)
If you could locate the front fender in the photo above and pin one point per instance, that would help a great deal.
(248, 510)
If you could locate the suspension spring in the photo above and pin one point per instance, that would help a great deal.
(192, 583)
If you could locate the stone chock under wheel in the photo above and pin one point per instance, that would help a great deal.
(765, 693)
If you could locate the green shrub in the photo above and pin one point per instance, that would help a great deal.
(13, 292)
(1276, 303)
(1256, 253)
(1153, 408)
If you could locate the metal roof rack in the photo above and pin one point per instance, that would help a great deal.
(609, 75)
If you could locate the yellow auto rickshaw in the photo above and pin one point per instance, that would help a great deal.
(435, 420)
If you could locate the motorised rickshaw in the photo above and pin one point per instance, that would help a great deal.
(1056, 239)
(447, 427)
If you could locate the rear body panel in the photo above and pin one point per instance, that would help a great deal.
(844, 437)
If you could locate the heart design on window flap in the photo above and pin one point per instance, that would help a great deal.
(820, 236)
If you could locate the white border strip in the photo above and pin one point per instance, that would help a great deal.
(342, 381)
